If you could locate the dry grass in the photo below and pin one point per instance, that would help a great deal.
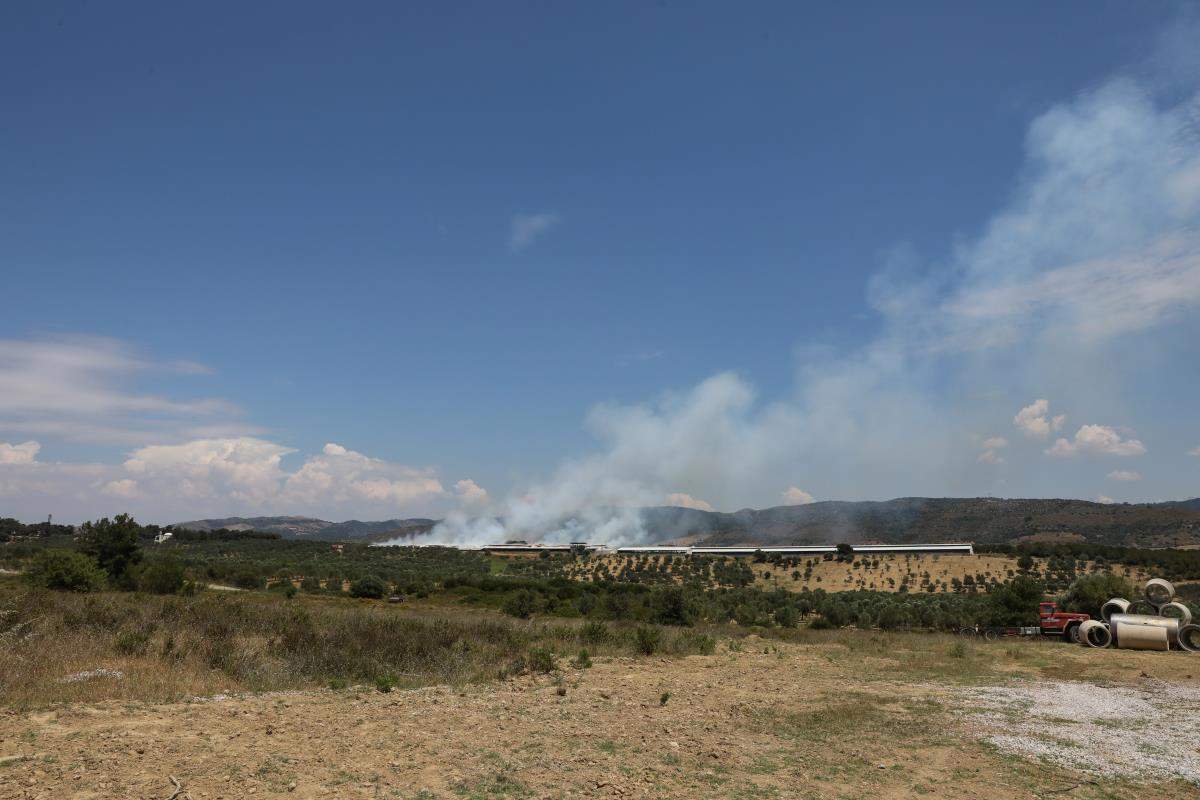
(821, 714)
(138, 647)
(883, 573)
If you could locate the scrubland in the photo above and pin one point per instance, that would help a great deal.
(749, 714)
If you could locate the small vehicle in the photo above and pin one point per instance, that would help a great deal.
(1060, 623)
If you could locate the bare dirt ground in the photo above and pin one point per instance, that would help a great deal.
(843, 715)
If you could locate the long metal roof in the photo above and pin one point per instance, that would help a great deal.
(800, 550)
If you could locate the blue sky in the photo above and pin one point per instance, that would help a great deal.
(524, 244)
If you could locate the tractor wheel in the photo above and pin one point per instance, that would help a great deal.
(967, 632)
(1071, 634)
(991, 634)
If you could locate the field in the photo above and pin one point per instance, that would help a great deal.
(786, 713)
(884, 573)
(567, 676)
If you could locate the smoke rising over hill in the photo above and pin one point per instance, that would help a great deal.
(1094, 257)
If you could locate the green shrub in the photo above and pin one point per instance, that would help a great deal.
(647, 639)
(582, 661)
(310, 584)
(594, 632)
(1090, 592)
(161, 577)
(519, 605)
(662, 700)
(821, 624)
(246, 579)
(541, 660)
(65, 570)
(132, 643)
(787, 617)
(385, 683)
(370, 586)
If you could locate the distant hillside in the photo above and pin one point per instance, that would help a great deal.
(312, 528)
(913, 519)
(984, 520)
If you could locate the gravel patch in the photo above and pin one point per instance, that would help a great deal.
(1152, 730)
(88, 675)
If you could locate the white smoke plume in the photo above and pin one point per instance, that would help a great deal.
(1095, 257)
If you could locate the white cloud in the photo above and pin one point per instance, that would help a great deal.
(126, 487)
(795, 496)
(991, 445)
(684, 500)
(1097, 440)
(24, 453)
(1195, 452)
(350, 479)
(243, 472)
(81, 388)
(1124, 475)
(1035, 421)
(525, 228)
(231, 477)
(1105, 499)
(470, 493)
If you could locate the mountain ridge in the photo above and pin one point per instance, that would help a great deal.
(985, 520)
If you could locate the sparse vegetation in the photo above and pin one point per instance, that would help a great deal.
(169, 647)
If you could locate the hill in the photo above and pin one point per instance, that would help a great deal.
(312, 528)
(985, 520)
(926, 519)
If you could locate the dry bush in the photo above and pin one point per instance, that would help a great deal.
(168, 648)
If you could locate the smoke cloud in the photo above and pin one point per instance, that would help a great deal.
(1095, 256)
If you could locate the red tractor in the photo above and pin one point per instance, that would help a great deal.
(1059, 623)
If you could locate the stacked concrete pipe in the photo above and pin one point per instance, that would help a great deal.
(1168, 626)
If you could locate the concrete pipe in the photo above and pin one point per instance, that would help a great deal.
(1159, 592)
(1118, 605)
(1128, 631)
(1176, 610)
(1189, 638)
(1093, 633)
(1131, 636)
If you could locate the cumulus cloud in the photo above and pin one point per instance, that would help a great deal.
(795, 496)
(683, 500)
(470, 493)
(990, 457)
(525, 228)
(1195, 452)
(995, 442)
(343, 477)
(1105, 499)
(24, 453)
(1127, 475)
(1034, 419)
(1097, 440)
